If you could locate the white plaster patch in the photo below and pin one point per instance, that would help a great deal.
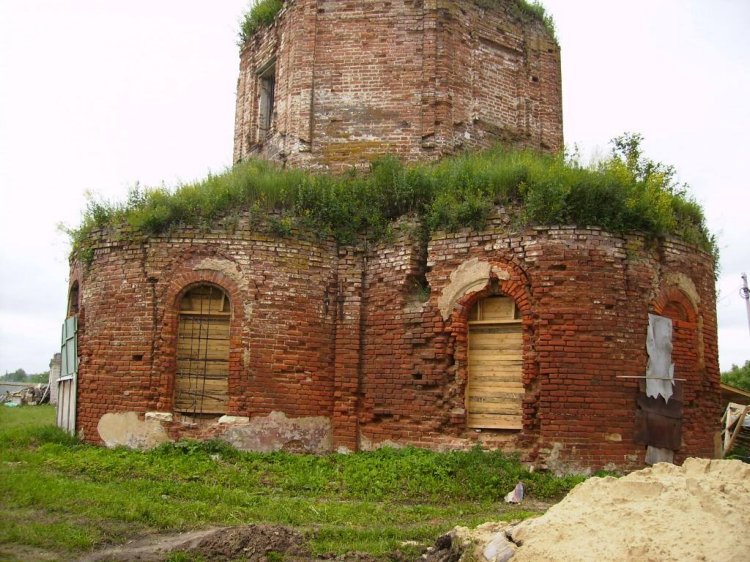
(685, 284)
(235, 420)
(128, 430)
(160, 416)
(469, 277)
(367, 444)
(277, 432)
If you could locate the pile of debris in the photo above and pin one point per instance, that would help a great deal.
(736, 434)
(668, 513)
(25, 395)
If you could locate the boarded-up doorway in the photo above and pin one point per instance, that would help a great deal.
(494, 393)
(201, 382)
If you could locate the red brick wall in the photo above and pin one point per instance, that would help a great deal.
(355, 80)
(584, 297)
(281, 332)
(356, 334)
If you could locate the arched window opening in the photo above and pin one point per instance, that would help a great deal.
(201, 381)
(73, 300)
(494, 393)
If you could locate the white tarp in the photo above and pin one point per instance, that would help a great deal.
(660, 371)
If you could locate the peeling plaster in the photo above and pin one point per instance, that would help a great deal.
(231, 270)
(160, 416)
(232, 420)
(367, 444)
(127, 429)
(685, 284)
(276, 432)
(469, 277)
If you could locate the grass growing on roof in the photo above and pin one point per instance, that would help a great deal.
(525, 10)
(623, 192)
(365, 502)
(260, 14)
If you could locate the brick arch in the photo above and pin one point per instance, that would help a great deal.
(179, 285)
(676, 305)
(515, 286)
(76, 280)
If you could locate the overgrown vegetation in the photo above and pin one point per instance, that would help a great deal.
(525, 10)
(623, 192)
(261, 13)
(61, 495)
(738, 376)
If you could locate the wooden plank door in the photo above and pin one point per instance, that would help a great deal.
(201, 382)
(494, 393)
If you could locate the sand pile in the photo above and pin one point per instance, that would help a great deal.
(699, 511)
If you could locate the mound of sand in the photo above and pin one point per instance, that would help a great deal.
(699, 511)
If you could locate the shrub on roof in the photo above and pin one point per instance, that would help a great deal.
(623, 192)
(261, 13)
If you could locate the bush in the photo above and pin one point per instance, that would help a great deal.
(738, 376)
(261, 13)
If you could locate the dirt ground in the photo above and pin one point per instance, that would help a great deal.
(250, 543)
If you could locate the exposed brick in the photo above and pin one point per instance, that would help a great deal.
(356, 80)
(355, 334)
(347, 334)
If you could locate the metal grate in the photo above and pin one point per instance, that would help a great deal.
(201, 382)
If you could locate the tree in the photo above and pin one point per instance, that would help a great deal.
(41, 378)
(738, 376)
(19, 375)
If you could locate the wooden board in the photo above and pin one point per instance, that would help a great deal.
(494, 394)
(205, 299)
(493, 309)
(494, 421)
(198, 327)
(201, 381)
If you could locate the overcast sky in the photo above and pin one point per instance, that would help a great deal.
(97, 95)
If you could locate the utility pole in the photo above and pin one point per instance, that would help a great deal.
(745, 294)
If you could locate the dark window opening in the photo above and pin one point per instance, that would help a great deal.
(73, 300)
(267, 83)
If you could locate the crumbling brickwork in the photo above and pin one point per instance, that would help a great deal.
(321, 346)
(418, 79)
(353, 347)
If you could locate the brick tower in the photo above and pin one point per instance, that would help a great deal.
(332, 84)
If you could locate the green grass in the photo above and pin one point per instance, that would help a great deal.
(60, 495)
(261, 13)
(525, 10)
(622, 193)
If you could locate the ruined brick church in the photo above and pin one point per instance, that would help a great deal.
(534, 340)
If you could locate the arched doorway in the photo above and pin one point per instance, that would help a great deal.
(494, 393)
(201, 380)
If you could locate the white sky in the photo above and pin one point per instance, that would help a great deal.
(97, 95)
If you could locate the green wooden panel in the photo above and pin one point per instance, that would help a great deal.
(69, 347)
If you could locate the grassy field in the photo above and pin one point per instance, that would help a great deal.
(65, 498)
